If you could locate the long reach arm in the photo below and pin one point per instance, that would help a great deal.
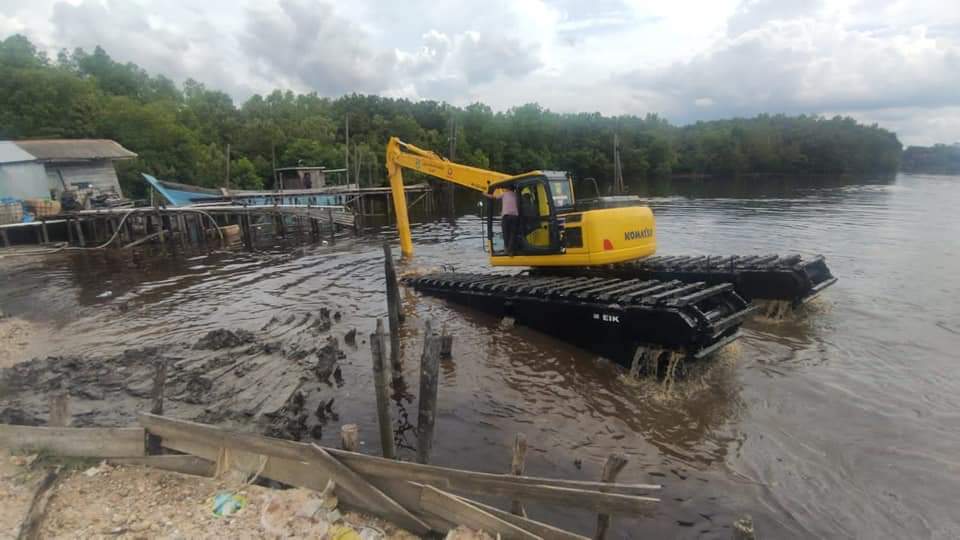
(401, 155)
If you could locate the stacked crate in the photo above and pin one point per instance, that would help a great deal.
(41, 208)
(11, 211)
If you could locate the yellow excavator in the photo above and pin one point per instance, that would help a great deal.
(592, 275)
(555, 231)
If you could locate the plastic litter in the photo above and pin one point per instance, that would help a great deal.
(227, 503)
(342, 532)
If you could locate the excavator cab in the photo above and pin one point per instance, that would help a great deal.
(540, 230)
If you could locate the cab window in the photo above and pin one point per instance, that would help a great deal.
(560, 189)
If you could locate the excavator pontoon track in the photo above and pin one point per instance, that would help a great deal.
(791, 278)
(609, 315)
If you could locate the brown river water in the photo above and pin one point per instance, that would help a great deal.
(842, 421)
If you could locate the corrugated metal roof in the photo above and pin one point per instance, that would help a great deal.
(71, 149)
(11, 153)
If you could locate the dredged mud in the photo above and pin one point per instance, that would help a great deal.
(228, 376)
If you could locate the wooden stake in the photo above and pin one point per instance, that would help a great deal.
(80, 239)
(159, 381)
(427, 403)
(378, 346)
(333, 226)
(59, 409)
(46, 234)
(446, 343)
(615, 463)
(163, 245)
(350, 437)
(393, 305)
(516, 469)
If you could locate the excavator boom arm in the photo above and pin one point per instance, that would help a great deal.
(401, 155)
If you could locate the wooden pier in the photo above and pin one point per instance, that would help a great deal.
(181, 227)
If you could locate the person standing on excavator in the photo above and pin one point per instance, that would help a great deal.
(509, 217)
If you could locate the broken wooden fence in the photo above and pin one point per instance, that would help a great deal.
(415, 496)
(403, 492)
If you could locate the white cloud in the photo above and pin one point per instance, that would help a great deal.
(896, 62)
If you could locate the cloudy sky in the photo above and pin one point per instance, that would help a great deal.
(894, 62)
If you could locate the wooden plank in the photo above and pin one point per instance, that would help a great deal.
(459, 510)
(532, 526)
(373, 499)
(582, 494)
(408, 495)
(76, 442)
(181, 463)
(301, 474)
(294, 473)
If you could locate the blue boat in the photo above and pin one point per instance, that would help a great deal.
(177, 194)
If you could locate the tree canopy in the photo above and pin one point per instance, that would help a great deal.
(936, 159)
(182, 133)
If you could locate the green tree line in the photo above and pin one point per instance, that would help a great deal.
(936, 159)
(181, 132)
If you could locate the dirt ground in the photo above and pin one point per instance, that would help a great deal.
(130, 502)
(103, 501)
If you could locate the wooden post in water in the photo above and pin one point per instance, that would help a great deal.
(350, 437)
(393, 305)
(333, 226)
(516, 469)
(94, 230)
(80, 239)
(130, 227)
(427, 401)
(159, 381)
(446, 343)
(4, 238)
(46, 234)
(615, 463)
(163, 243)
(378, 346)
(182, 227)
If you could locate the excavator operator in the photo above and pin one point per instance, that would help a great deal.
(509, 217)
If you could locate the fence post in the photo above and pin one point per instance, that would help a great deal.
(350, 437)
(615, 463)
(393, 305)
(159, 381)
(333, 226)
(59, 408)
(516, 469)
(378, 346)
(429, 382)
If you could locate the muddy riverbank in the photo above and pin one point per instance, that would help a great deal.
(273, 378)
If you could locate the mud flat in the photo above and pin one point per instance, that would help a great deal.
(228, 376)
(15, 336)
